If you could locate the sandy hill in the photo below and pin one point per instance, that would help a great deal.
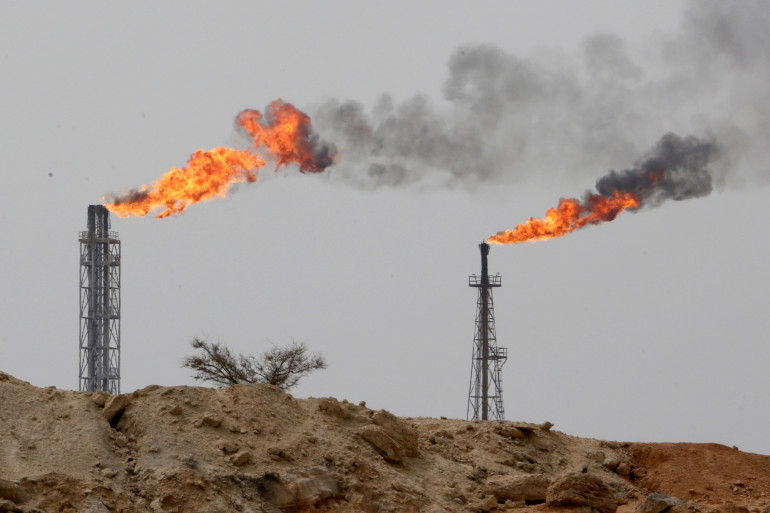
(254, 448)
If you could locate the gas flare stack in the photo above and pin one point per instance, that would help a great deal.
(99, 304)
(488, 359)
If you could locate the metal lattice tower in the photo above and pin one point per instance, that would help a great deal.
(488, 359)
(99, 304)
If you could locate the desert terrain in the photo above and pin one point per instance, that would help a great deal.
(255, 448)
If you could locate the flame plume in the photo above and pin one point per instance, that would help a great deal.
(207, 174)
(676, 169)
(284, 134)
(570, 215)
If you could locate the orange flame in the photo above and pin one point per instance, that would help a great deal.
(207, 174)
(570, 215)
(287, 136)
(284, 133)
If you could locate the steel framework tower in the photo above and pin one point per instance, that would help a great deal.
(488, 359)
(99, 304)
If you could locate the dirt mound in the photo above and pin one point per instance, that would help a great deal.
(254, 448)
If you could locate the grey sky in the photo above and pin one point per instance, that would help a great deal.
(652, 327)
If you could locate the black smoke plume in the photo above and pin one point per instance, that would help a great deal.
(676, 169)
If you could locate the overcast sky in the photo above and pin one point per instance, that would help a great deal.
(650, 328)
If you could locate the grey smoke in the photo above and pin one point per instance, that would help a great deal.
(549, 116)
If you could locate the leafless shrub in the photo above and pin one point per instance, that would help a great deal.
(280, 366)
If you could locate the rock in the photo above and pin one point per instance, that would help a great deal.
(443, 433)
(212, 420)
(384, 444)
(276, 454)
(114, 407)
(489, 503)
(623, 491)
(403, 434)
(729, 507)
(155, 505)
(240, 459)
(331, 406)
(612, 461)
(541, 444)
(524, 427)
(93, 505)
(581, 489)
(546, 426)
(657, 502)
(108, 472)
(9, 506)
(227, 446)
(13, 492)
(176, 410)
(509, 431)
(517, 488)
(597, 456)
(275, 491)
(308, 488)
(624, 469)
(100, 398)
(436, 436)
(315, 486)
(146, 390)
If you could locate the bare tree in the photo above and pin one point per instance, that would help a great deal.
(279, 366)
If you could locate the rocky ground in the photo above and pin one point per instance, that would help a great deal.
(254, 448)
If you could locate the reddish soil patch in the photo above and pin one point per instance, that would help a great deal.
(705, 473)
